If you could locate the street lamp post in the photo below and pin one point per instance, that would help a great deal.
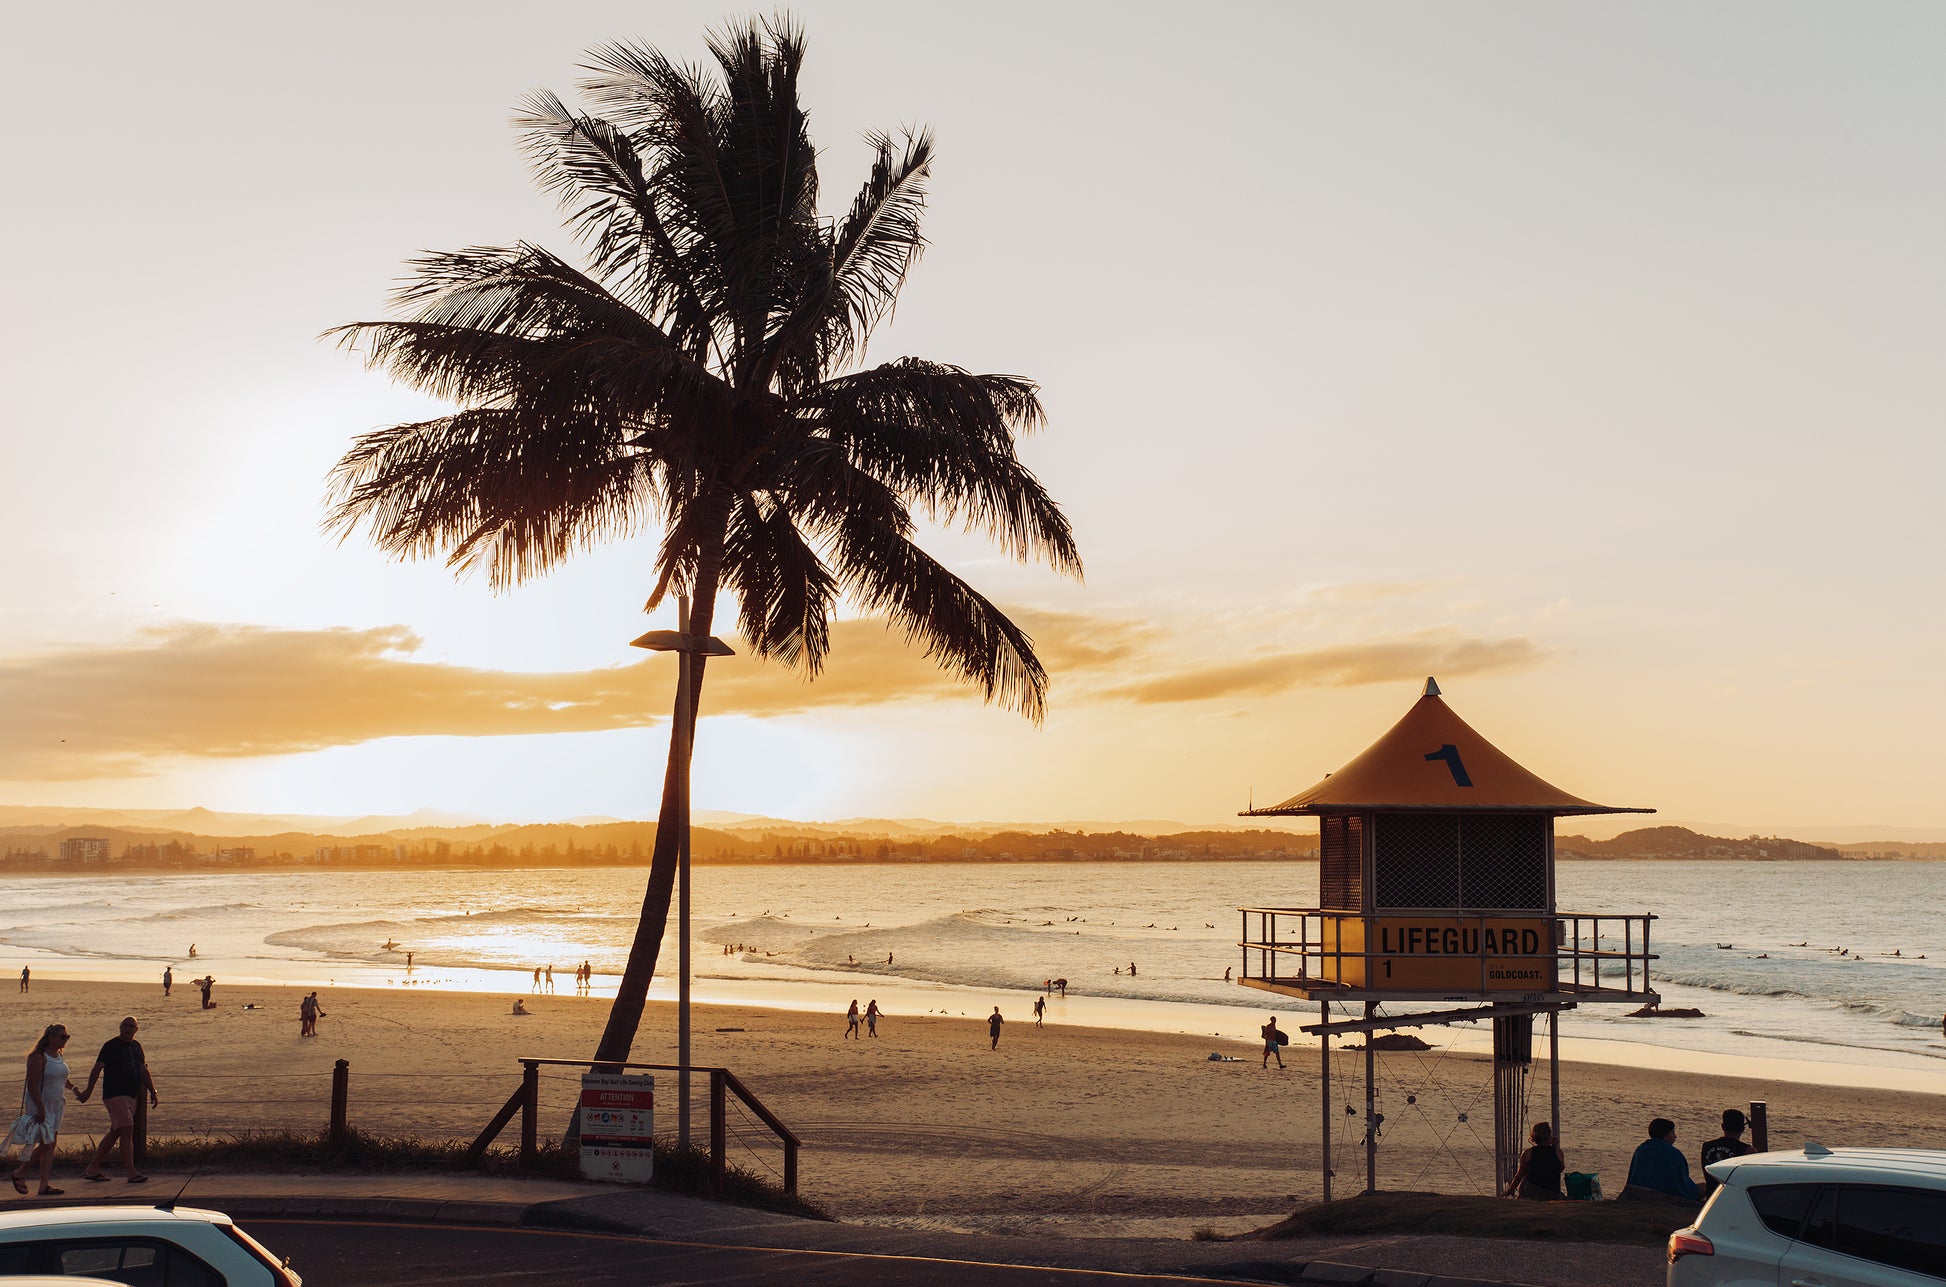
(685, 646)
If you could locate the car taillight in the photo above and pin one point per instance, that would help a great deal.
(1687, 1242)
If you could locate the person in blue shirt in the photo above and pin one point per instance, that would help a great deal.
(1659, 1166)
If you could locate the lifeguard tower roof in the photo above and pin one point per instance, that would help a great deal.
(1432, 759)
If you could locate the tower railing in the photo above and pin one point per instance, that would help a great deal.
(1595, 956)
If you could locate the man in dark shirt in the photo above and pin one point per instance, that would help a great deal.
(1730, 1144)
(127, 1072)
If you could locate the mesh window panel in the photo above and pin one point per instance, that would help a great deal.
(1503, 862)
(1416, 863)
(1341, 862)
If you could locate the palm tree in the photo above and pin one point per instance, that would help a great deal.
(703, 377)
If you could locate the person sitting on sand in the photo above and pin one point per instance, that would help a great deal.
(1658, 1168)
(520, 1007)
(1538, 1177)
(1729, 1144)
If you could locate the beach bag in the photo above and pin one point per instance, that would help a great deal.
(1583, 1186)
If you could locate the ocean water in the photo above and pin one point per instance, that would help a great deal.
(1753, 945)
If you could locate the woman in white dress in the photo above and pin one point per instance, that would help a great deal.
(41, 1105)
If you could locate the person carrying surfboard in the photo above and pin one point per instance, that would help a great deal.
(1274, 1042)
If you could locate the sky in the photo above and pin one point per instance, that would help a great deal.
(1585, 356)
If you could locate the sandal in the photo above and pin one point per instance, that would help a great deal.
(135, 1179)
(95, 1176)
(49, 1191)
(20, 1185)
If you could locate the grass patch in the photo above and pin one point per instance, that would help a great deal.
(1204, 1233)
(1641, 1224)
(677, 1170)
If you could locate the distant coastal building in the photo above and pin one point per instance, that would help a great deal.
(361, 855)
(84, 849)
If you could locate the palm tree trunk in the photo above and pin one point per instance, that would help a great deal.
(625, 1015)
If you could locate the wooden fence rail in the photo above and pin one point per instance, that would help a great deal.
(722, 1084)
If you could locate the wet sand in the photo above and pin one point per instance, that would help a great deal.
(1062, 1130)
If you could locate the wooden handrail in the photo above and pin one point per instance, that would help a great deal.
(526, 1102)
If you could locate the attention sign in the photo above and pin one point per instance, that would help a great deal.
(1439, 953)
(617, 1127)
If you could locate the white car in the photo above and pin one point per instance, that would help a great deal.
(138, 1247)
(1850, 1217)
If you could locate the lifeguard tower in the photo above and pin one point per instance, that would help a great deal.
(1436, 885)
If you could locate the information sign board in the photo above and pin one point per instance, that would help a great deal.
(1452, 954)
(617, 1127)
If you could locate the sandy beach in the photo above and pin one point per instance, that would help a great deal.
(1062, 1130)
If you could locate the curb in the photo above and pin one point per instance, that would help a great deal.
(1339, 1275)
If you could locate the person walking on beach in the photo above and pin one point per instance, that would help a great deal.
(851, 1019)
(42, 1102)
(872, 1013)
(1538, 1177)
(537, 979)
(124, 1075)
(305, 1018)
(408, 960)
(1274, 1040)
(550, 978)
(168, 979)
(1727, 1145)
(25, 976)
(205, 983)
(993, 1028)
(1040, 1008)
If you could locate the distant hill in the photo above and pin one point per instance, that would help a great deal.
(1895, 849)
(1680, 843)
(153, 840)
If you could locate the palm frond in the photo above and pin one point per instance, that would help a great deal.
(491, 488)
(784, 591)
(880, 238)
(948, 619)
(599, 177)
(944, 439)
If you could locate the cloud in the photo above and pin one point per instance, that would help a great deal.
(225, 691)
(211, 691)
(1344, 666)
(238, 691)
